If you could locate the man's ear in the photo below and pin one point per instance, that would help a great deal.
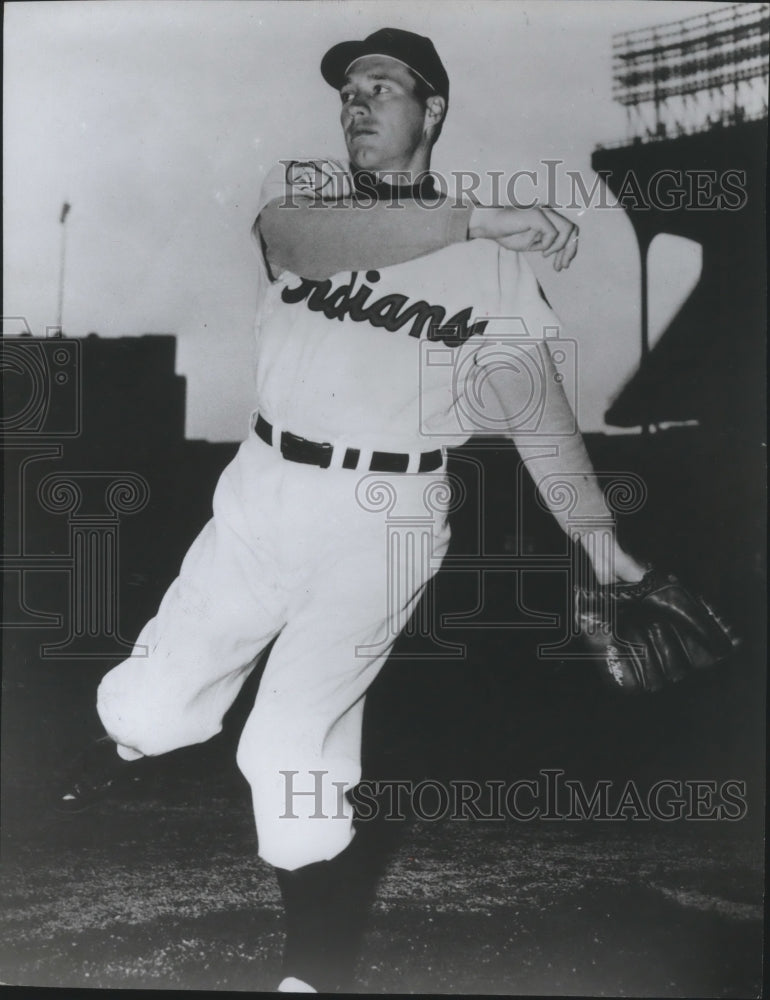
(435, 109)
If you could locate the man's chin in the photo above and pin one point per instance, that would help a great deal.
(362, 158)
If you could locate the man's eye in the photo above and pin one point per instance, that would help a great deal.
(379, 88)
(346, 96)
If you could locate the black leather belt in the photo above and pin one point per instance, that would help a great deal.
(299, 449)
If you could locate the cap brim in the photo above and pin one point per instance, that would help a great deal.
(338, 58)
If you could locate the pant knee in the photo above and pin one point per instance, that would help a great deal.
(148, 724)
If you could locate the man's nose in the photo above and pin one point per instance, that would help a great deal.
(357, 105)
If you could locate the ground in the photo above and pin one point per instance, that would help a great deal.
(163, 889)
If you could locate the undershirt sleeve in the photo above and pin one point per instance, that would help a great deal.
(529, 387)
(314, 227)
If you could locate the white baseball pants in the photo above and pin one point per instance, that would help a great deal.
(333, 562)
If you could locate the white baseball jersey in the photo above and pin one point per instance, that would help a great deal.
(380, 358)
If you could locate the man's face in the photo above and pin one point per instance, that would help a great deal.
(381, 117)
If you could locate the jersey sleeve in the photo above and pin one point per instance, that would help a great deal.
(522, 382)
(294, 183)
(522, 296)
(304, 181)
(524, 315)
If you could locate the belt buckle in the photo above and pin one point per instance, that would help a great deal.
(299, 449)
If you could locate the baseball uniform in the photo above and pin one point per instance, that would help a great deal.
(372, 365)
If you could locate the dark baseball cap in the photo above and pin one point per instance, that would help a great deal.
(414, 51)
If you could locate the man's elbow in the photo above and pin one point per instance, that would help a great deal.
(266, 224)
(267, 240)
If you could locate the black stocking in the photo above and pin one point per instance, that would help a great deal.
(325, 904)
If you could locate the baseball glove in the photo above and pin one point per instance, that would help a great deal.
(649, 634)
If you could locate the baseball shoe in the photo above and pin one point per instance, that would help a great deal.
(292, 985)
(94, 774)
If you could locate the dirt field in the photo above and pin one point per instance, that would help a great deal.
(163, 890)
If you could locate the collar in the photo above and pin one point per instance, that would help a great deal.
(365, 182)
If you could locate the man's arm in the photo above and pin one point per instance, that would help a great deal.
(527, 229)
(317, 241)
(300, 229)
(557, 453)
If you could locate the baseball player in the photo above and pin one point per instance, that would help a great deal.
(364, 264)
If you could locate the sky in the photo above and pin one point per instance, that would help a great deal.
(158, 119)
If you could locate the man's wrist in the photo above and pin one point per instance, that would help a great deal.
(494, 221)
(477, 224)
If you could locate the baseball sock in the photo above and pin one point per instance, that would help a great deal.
(325, 905)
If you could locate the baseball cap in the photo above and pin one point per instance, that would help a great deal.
(415, 51)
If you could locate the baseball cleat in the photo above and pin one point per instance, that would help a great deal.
(292, 985)
(94, 774)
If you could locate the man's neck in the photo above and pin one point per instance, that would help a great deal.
(397, 175)
(402, 184)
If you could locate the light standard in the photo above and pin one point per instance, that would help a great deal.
(62, 219)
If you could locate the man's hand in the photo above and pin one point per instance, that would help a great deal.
(619, 567)
(527, 229)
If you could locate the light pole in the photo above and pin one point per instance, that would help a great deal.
(62, 219)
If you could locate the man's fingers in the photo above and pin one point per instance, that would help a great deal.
(564, 234)
(547, 236)
(535, 240)
(566, 255)
(572, 242)
(571, 249)
(547, 232)
(567, 231)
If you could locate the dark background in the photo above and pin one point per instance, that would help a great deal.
(163, 888)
